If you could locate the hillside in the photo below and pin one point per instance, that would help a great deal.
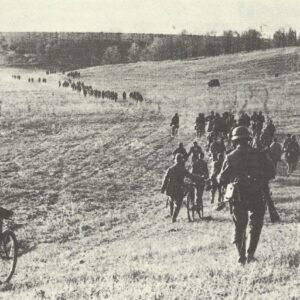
(83, 177)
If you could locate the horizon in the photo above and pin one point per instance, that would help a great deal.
(197, 17)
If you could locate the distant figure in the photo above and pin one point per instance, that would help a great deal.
(124, 95)
(174, 125)
(292, 155)
(196, 151)
(275, 152)
(173, 184)
(181, 150)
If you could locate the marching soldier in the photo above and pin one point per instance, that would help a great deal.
(200, 168)
(246, 168)
(173, 184)
(180, 150)
(195, 150)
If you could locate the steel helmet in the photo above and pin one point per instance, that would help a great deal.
(240, 132)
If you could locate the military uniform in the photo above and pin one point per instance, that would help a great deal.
(292, 155)
(195, 151)
(180, 150)
(173, 186)
(215, 186)
(199, 168)
(248, 168)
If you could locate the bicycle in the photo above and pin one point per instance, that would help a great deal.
(8, 248)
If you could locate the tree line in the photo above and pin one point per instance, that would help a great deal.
(71, 53)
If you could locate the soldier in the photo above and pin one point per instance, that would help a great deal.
(292, 154)
(199, 167)
(175, 124)
(180, 150)
(267, 152)
(210, 121)
(200, 125)
(275, 152)
(173, 184)
(246, 168)
(286, 142)
(195, 151)
(215, 185)
(217, 147)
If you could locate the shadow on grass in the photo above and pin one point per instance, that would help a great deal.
(288, 215)
(212, 219)
(282, 200)
(25, 247)
(287, 181)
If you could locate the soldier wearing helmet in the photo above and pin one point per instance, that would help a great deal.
(246, 168)
(180, 150)
(173, 184)
(195, 150)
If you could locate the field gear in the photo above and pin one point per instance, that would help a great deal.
(245, 168)
(173, 184)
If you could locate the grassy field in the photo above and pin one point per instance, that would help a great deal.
(83, 176)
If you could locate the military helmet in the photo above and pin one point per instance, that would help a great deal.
(179, 158)
(240, 132)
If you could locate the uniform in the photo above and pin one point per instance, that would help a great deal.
(292, 155)
(195, 151)
(215, 186)
(173, 186)
(180, 150)
(275, 152)
(199, 167)
(248, 168)
(216, 148)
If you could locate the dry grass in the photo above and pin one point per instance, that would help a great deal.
(83, 177)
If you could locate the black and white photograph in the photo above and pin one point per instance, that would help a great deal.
(149, 149)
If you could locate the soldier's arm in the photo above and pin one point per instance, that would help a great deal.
(166, 181)
(206, 173)
(224, 175)
(189, 153)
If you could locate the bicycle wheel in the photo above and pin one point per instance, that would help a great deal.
(8, 255)
(190, 205)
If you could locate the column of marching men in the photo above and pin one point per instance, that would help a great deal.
(86, 90)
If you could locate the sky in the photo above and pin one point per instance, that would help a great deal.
(149, 16)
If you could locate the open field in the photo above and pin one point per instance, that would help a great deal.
(83, 176)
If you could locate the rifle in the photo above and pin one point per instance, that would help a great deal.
(274, 216)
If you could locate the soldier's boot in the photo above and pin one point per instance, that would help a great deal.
(254, 238)
(212, 197)
(241, 248)
(175, 213)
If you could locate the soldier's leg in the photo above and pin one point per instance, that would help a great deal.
(274, 216)
(177, 205)
(257, 212)
(212, 192)
(240, 220)
(200, 190)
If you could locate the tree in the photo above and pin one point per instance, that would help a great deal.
(111, 55)
(279, 38)
(251, 40)
(291, 37)
(134, 52)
